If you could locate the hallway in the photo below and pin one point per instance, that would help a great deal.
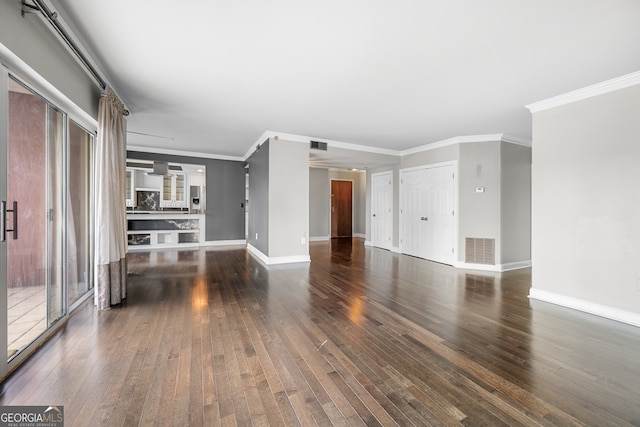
(360, 336)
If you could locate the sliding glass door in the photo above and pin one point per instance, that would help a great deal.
(46, 218)
(33, 216)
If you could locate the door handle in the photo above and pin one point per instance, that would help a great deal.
(3, 221)
(424, 218)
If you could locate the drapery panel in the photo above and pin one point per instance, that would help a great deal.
(111, 220)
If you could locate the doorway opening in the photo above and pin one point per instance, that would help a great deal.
(341, 208)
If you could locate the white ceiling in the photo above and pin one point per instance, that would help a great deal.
(212, 76)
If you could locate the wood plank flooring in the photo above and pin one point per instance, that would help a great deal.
(360, 336)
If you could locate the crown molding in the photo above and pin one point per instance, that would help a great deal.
(254, 146)
(516, 140)
(183, 153)
(586, 92)
(307, 139)
(496, 137)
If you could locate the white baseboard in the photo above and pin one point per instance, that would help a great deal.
(515, 265)
(586, 306)
(495, 268)
(225, 242)
(361, 235)
(277, 260)
(395, 249)
(325, 238)
(139, 248)
(392, 249)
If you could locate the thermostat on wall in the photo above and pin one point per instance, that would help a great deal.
(479, 189)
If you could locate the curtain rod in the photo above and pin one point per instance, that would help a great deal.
(52, 19)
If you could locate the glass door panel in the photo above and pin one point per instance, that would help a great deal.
(167, 194)
(129, 189)
(79, 202)
(34, 186)
(180, 184)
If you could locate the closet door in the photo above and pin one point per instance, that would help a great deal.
(381, 209)
(413, 208)
(440, 214)
(427, 217)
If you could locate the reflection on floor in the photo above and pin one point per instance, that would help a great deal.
(358, 336)
(27, 313)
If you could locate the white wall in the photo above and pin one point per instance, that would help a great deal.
(479, 213)
(515, 223)
(319, 203)
(586, 204)
(288, 199)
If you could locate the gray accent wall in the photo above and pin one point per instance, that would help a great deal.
(586, 201)
(259, 199)
(225, 192)
(31, 40)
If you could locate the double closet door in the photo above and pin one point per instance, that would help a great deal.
(427, 212)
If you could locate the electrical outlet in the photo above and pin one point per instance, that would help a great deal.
(303, 240)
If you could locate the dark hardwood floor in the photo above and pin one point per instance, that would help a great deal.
(360, 336)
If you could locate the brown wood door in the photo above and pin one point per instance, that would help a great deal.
(341, 208)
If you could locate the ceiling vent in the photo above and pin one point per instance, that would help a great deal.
(317, 145)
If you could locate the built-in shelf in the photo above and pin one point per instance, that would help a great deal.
(163, 230)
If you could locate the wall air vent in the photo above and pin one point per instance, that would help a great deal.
(317, 145)
(480, 251)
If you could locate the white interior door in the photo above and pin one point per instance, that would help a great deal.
(381, 209)
(440, 214)
(413, 207)
(427, 203)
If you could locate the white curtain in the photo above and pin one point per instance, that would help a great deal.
(111, 219)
